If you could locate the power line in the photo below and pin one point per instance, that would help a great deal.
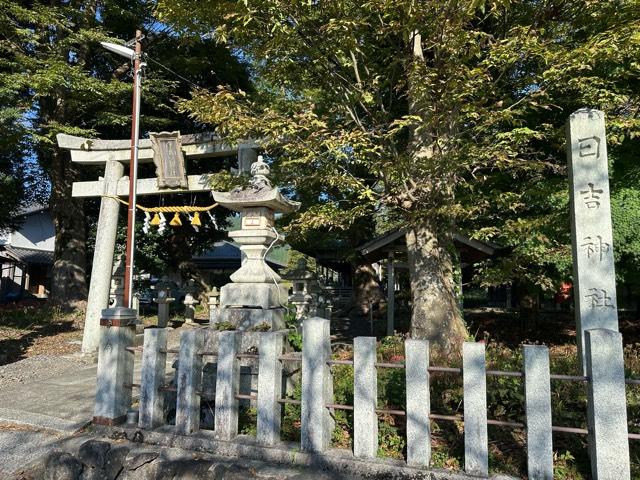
(174, 73)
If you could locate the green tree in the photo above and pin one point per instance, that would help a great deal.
(12, 191)
(20, 184)
(57, 79)
(48, 49)
(593, 63)
(625, 211)
(437, 115)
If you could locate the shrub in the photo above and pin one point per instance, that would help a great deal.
(225, 326)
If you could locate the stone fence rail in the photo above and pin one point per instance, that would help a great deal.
(605, 381)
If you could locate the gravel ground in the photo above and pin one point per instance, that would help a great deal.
(39, 367)
(20, 445)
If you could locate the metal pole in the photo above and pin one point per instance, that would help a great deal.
(391, 294)
(133, 174)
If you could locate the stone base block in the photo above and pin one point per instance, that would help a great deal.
(262, 295)
(246, 318)
(248, 343)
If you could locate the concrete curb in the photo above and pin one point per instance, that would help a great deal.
(333, 460)
(39, 420)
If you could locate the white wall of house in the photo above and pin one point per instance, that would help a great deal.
(37, 232)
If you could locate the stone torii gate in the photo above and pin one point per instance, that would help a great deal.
(115, 155)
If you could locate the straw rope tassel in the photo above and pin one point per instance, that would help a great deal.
(159, 219)
(175, 221)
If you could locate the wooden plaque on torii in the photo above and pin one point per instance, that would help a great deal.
(168, 158)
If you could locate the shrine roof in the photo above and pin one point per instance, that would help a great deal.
(33, 208)
(394, 240)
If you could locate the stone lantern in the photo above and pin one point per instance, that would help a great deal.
(306, 289)
(190, 302)
(163, 299)
(255, 294)
(214, 305)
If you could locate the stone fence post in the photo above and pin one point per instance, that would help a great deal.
(115, 366)
(418, 402)
(474, 379)
(607, 405)
(269, 388)
(365, 398)
(317, 387)
(154, 359)
(189, 382)
(227, 383)
(537, 388)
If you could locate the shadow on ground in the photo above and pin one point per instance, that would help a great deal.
(15, 348)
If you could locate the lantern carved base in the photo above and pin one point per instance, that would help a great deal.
(249, 318)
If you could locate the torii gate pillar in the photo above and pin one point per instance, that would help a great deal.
(102, 257)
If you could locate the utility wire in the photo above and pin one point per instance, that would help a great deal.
(175, 73)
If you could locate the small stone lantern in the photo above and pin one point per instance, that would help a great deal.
(214, 305)
(163, 299)
(190, 302)
(306, 291)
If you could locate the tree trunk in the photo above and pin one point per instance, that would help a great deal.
(367, 290)
(188, 270)
(69, 284)
(182, 253)
(435, 314)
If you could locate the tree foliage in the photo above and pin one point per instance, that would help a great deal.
(450, 112)
(56, 78)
